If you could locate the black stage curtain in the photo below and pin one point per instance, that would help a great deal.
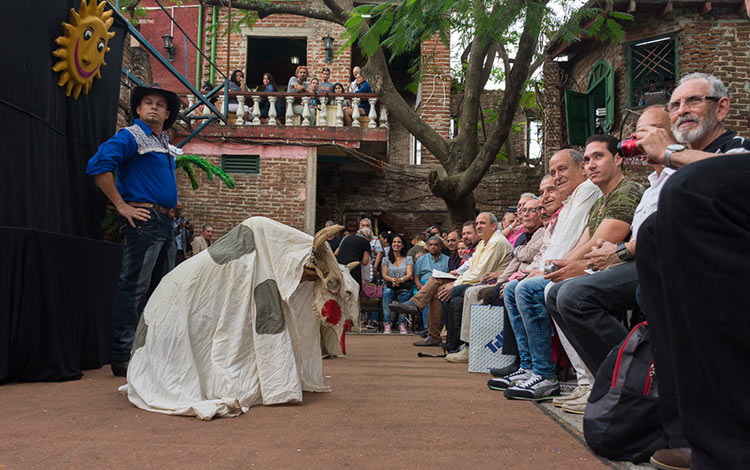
(56, 282)
(56, 300)
(48, 137)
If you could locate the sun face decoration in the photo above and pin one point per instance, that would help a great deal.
(82, 49)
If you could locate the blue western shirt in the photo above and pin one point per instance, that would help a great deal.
(145, 172)
(426, 263)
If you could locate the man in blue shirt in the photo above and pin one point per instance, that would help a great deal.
(433, 259)
(143, 194)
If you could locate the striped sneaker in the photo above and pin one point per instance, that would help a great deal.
(501, 383)
(536, 388)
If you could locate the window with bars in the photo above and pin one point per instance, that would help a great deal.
(652, 70)
(241, 163)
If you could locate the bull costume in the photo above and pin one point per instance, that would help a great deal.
(234, 327)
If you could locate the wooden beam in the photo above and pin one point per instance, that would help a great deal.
(705, 8)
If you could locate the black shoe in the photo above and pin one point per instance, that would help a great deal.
(503, 371)
(427, 342)
(424, 333)
(119, 369)
(407, 307)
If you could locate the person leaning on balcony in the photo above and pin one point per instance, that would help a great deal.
(339, 88)
(237, 84)
(364, 105)
(298, 84)
(325, 85)
(269, 85)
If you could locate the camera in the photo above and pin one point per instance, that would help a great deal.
(549, 268)
(628, 148)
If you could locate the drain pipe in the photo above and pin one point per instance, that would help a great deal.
(213, 44)
(198, 58)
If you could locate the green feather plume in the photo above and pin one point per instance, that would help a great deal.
(186, 162)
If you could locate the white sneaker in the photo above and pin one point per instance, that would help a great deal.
(577, 392)
(386, 328)
(535, 388)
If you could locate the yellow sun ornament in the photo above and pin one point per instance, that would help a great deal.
(82, 49)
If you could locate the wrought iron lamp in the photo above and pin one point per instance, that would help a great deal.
(168, 46)
(328, 45)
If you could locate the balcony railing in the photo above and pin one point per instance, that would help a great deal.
(330, 109)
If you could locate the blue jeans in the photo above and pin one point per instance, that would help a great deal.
(148, 254)
(388, 296)
(527, 311)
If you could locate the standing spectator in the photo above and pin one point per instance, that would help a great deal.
(183, 235)
(325, 85)
(203, 241)
(397, 272)
(298, 84)
(356, 248)
(269, 85)
(145, 190)
(334, 241)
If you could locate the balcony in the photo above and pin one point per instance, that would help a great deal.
(324, 126)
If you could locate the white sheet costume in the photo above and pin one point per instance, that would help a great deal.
(234, 327)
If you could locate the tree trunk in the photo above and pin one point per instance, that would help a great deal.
(461, 209)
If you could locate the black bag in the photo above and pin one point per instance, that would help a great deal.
(622, 419)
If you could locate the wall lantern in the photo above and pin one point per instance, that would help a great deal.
(168, 46)
(295, 59)
(328, 45)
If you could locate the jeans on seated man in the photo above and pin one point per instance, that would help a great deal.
(523, 255)
(590, 309)
(492, 253)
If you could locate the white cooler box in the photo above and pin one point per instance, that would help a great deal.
(486, 339)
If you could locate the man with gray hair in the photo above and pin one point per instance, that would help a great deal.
(515, 231)
(697, 317)
(203, 241)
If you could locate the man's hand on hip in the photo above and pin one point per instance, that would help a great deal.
(130, 213)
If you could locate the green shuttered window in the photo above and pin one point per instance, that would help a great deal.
(241, 163)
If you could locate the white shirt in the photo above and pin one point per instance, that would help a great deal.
(650, 199)
(572, 220)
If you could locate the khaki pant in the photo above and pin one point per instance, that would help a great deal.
(427, 295)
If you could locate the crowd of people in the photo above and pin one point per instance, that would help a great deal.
(563, 265)
(301, 82)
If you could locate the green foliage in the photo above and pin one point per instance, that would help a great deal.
(186, 162)
(132, 10)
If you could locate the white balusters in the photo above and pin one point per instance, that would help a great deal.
(191, 102)
(383, 116)
(289, 111)
(339, 111)
(322, 120)
(372, 115)
(220, 107)
(256, 110)
(355, 112)
(305, 110)
(272, 111)
(240, 110)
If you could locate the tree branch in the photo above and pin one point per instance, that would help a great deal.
(268, 9)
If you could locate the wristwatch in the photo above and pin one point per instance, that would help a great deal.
(623, 253)
(672, 148)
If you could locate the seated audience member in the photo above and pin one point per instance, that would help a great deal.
(561, 235)
(203, 241)
(508, 219)
(298, 84)
(269, 85)
(236, 83)
(364, 105)
(385, 241)
(609, 219)
(516, 230)
(339, 88)
(461, 250)
(397, 272)
(551, 201)
(433, 259)
(354, 85)
(417, 247)
(523, 254)
(590, 309)
(493, 253)
(470, 238)
(371, 272)
(692, 257)
(325, 85)
(205, 89)
(451, 243)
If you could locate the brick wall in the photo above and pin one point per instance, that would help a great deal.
(716, 42)
(135, 59)
(278, 191)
